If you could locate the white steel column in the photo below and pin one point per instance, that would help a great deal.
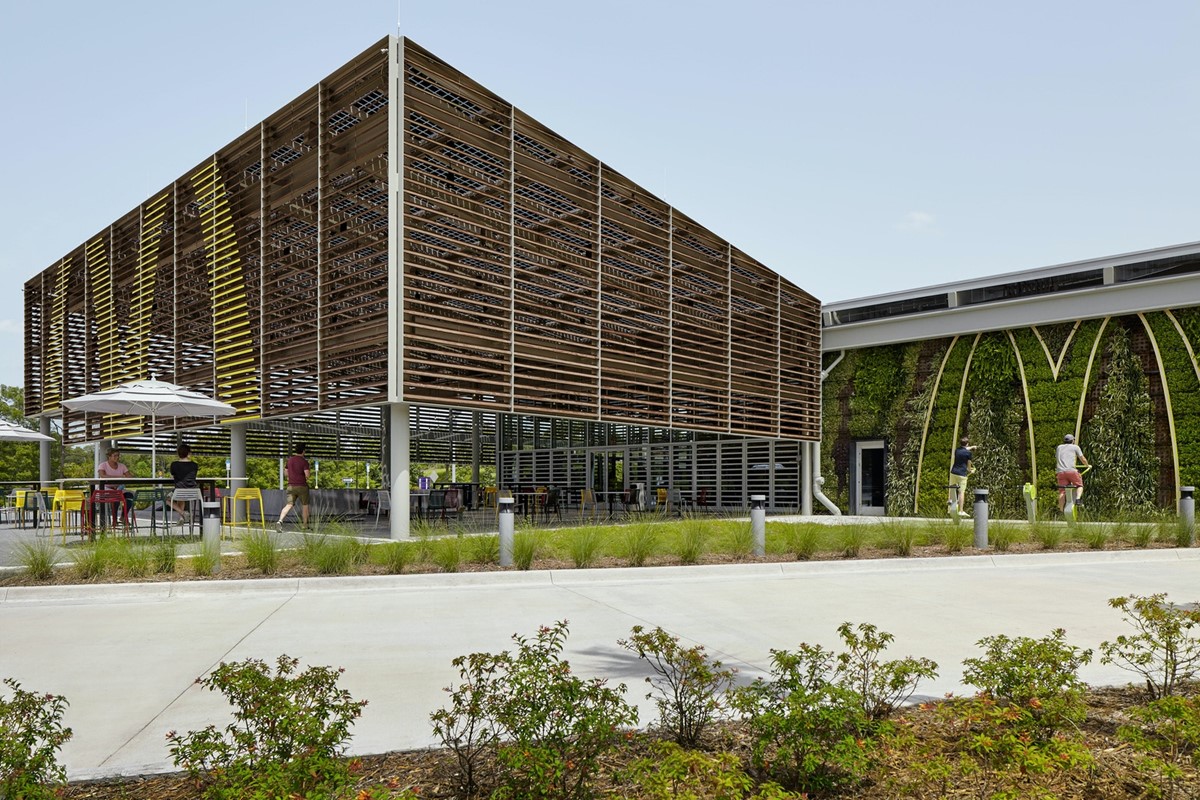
(237, 459)
(44, 451)
(398, 469)
(806, 474)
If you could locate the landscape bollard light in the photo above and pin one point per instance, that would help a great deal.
(1187, 512)
(758, 523)
(210, 533)
(981, 519)
(507, 521)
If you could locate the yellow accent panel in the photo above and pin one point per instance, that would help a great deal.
(237, 381)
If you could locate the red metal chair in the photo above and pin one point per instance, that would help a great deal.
(117, 507)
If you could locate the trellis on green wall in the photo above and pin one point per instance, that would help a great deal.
(1016, 393)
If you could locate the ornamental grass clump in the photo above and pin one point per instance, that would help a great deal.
(38, 558)
(447, 554)
(482, 548)
(527, 546)
(31, 734)
(637, 542)
(262, 551)
(137, 559)
(395, 556)
(692, 538)
(803, 539)
(583, 546)
(165, 555)
(1048, 534)
(851, 540)
(900, 536)
(93, 560)
(288, 734)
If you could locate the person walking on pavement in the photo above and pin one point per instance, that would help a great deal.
(1065, 473)
(297, 470)
(959, 471)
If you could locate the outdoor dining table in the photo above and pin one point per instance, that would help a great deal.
(208, 488)
(29, 486)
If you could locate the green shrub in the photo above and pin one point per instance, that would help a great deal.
(688, 687)
(527, 545)
(672, 773)
(804, 539)
(637, 542)
(583, 546)
(1162, 650)
(881, 686)
(38, 558)
(287, 737)
(549, 728)
(466, 727)
(1038, 676)
(261, 549)
(805, 731)
(1167, 737)
(31, 733)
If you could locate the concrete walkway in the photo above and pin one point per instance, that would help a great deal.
(127, 656)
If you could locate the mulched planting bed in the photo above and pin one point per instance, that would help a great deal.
(1114, 774)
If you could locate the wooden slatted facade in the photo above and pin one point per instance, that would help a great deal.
(528, 278)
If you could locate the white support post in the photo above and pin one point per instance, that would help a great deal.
(237, 461)
(398, 469)
(44, 452)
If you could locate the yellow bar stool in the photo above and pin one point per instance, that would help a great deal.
(229, 508)
(66, 502)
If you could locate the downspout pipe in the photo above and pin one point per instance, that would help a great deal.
(815, 448)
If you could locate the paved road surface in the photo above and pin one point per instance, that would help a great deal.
(126, 657)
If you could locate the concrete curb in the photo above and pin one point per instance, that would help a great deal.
(167, 590)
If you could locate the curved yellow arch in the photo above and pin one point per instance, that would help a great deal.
(937, 380)
(1167, 398)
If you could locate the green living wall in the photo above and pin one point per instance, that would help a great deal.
(1127, 387)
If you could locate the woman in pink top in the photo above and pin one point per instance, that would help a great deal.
(113, 467)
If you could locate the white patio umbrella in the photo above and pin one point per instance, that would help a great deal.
(150, 398)
(12, 432)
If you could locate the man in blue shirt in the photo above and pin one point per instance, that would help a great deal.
(958, 477)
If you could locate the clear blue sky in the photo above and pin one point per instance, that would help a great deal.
(854, 147)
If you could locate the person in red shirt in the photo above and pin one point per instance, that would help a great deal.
(297, 470)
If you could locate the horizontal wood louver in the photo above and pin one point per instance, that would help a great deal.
(700, 316)
(555, 353)
(531, 279)
(457, 238)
